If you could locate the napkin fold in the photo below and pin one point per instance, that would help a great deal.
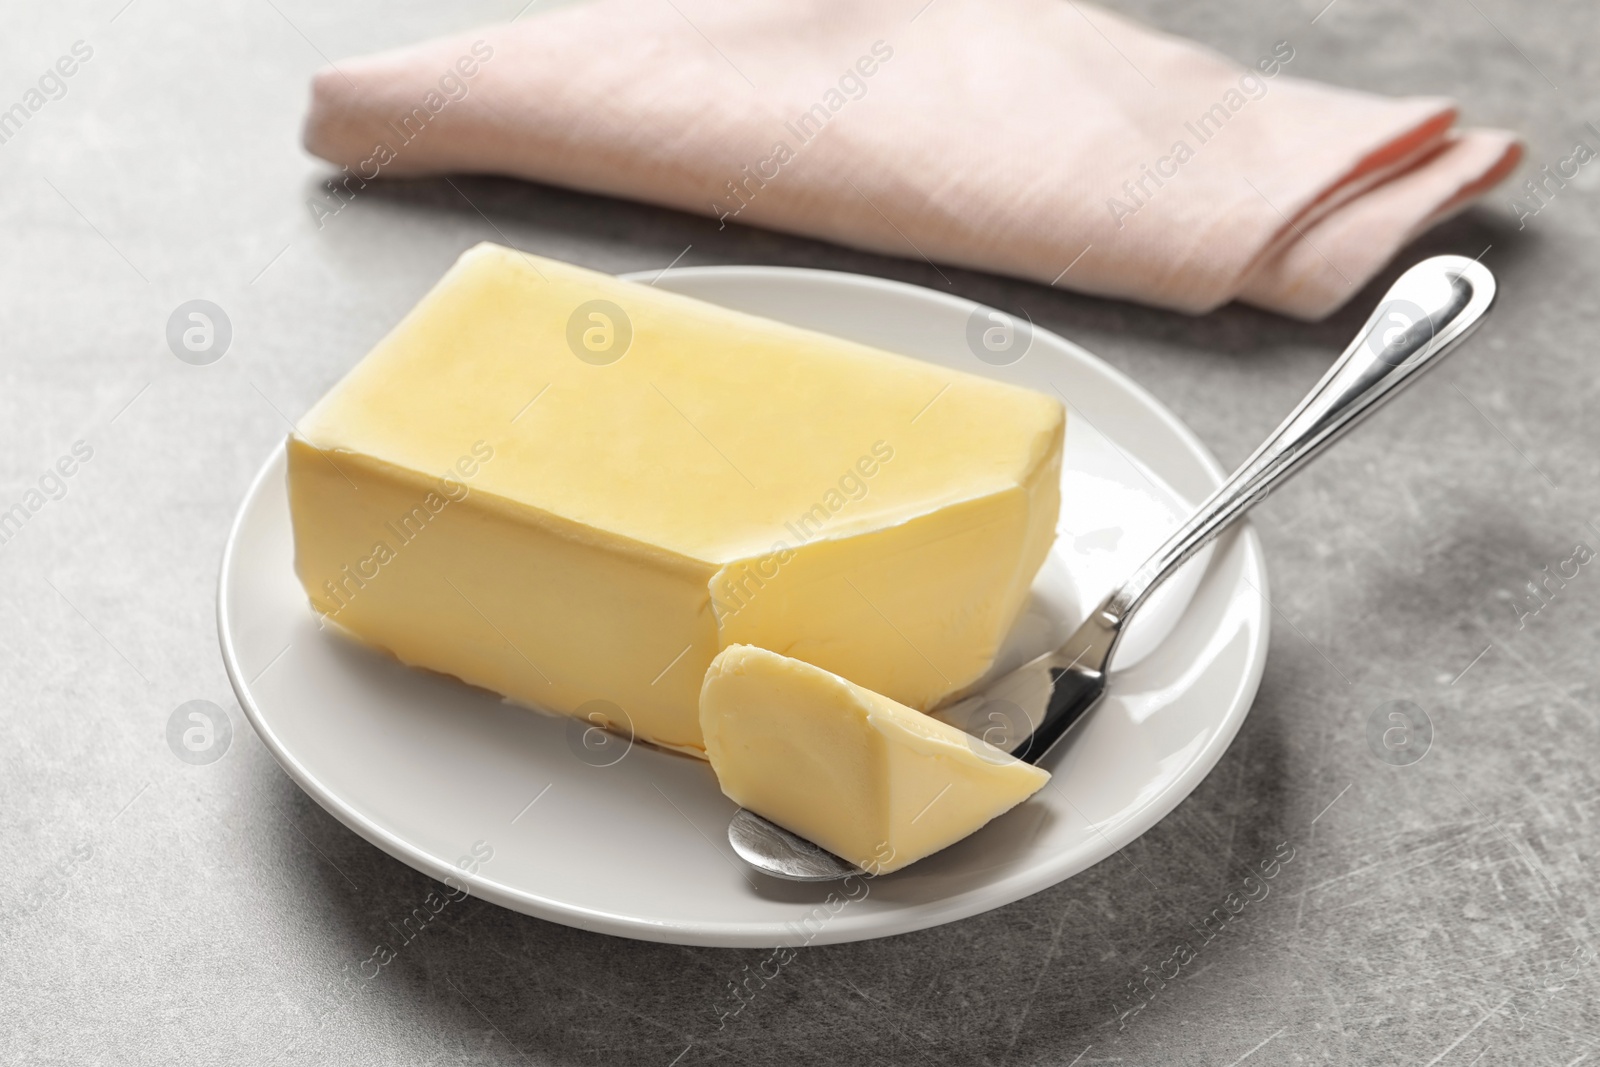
(1046, 139)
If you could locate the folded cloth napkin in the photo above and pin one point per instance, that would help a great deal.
(1047, 139)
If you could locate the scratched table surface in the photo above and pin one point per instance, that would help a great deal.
(1418, 773)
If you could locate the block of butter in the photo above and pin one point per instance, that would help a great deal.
(865, 777)
(576, 490)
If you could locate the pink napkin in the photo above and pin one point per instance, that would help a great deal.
(1046, 139)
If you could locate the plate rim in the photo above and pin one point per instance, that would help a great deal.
(763, 935)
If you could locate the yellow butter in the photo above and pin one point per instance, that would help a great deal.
(571, 489)
(865, 777)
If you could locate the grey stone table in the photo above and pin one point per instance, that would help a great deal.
(153, 911)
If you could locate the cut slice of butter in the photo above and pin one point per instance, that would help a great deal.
(576, 490)
(865, 777)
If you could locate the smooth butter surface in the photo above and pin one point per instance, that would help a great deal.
(865, 777)
(611, 522)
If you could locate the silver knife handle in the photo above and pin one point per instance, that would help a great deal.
(1428, 311)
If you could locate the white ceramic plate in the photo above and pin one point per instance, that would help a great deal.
(441, 775)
